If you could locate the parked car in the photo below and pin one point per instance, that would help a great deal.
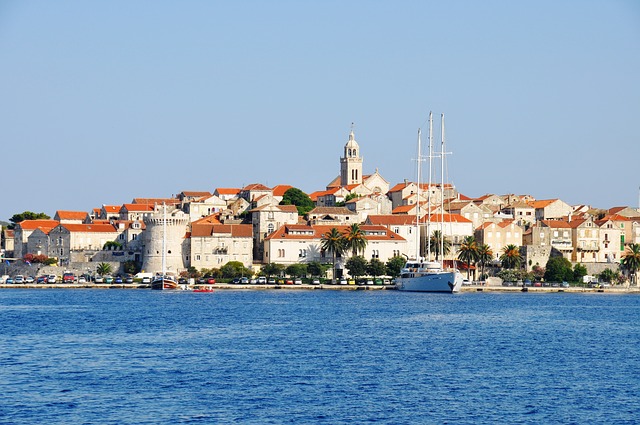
(68, 278)
(118, 279)
(9, 280)
(100, 279)
(297, 282)
(52, 278)
(236, 280)
(29, 279)
(82, 279)
(262, 280)
(244, 280)
(211, 280)
(146, 279)
(271, 281)
(465, 282)
(128, 279)
(343, 281)
(537, 284)
(315, 282)
(18, 279)
(565, 284)
(108, 279)
(41, 279)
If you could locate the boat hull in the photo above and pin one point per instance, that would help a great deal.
(164, 284)
(431, 282)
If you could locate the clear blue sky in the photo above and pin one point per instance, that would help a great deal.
(104, 101)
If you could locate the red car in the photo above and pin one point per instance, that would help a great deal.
(68, 278)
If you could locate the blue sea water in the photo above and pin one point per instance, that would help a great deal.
(317, 357)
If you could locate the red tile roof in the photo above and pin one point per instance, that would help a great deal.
(316, 232)
(38, 224)
(280, 189)
(90, 228)
(392, 219)
(71, 215)
(228, 190)
(446, 218)
(137, 207)
(235, 230)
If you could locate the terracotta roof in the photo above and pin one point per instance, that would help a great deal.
(446, 218)
(288, 208)
(158, 201)
(280, 189)
(616, 210)
(314, 195)
(71, 215)
(256, 186)
(616, 217)
(392, 219)
(403, 209)
(542, 203)
(137, 207)
(111, 208)
(228, 190)
(464, 197)
(210, 219)
(38, 224)
(93, 228)
(558, 224)
(195, 194)
(235, 230)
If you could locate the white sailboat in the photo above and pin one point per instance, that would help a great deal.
(164, 281)
(420, 274)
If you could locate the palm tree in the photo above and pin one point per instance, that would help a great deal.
(436, 240)
(511, 257)
(631, 260)
(355, 239)
(103, 269)
(485, 255)
(333, 241)
(468, 252)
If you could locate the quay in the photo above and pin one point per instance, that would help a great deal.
(329, 287)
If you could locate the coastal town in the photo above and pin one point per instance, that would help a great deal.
(198, 233)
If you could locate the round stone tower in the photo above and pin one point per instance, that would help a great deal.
(173, 236)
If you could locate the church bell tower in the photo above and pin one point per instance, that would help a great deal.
(351, 163)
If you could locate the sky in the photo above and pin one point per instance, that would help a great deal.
(105, 101)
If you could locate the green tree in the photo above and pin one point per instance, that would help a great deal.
(579, 271)
(469, 253)
(631, 261)
(558, 269)
(538, 272)
(315, 268)
(272, 269)
(112, 246)
(394, 265)
(103, 269)
(354, 239)
(436, 241)
(376, 268)
(333, 242)
(485, 255)
(511, 258)
(608, 275)
(27, 215)
(131, 267)
(301, 200)
(357, 266)
(235, 269)
(296, 270)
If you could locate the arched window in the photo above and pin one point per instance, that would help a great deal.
(270, 228)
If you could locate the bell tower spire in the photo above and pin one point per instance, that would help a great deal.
(351, 162)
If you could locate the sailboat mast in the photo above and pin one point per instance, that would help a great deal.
(442, 186)
(429, 187)
(419, 178)
(164, 240)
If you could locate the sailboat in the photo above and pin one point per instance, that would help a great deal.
(420, 274)
(164, 281)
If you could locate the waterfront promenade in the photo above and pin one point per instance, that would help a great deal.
(228, 286)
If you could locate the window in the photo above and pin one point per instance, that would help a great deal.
(270, 228)
(375, 253)
(302, 253)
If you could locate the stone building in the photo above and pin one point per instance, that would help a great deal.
(213, 245)
(169, 226)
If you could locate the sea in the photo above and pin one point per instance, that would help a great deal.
(133, 356)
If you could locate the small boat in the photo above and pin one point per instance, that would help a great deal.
(164, 281)
(203, 290)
